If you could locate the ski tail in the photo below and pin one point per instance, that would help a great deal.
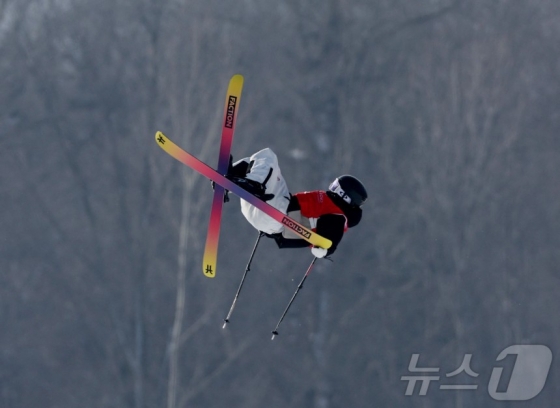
(233, 97)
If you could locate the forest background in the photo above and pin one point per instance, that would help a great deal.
(446, 109)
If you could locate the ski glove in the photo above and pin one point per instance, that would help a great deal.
(319, 252)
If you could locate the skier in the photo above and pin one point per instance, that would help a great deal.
(330, 213)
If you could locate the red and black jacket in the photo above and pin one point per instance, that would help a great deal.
(329, 215)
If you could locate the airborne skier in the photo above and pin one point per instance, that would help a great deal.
(312, 218)
(329, 213)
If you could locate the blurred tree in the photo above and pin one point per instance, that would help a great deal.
(445, 110)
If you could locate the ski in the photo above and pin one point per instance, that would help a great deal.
(189, 160)
(233, 97)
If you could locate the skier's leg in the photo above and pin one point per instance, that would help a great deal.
(237, 172)
(264, 169)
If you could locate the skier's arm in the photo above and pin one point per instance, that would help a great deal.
(331, 226)
(288, 243)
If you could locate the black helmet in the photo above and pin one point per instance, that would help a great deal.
(350, 189)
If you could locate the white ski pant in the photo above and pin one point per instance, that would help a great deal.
(266, 170)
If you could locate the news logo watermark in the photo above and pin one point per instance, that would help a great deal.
(525, 381)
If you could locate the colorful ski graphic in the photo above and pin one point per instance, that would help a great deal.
(188, 159)
(210, 258)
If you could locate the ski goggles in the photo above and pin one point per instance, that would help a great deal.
(335, 188)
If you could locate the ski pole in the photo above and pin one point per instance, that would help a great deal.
(247, 269)
(275, 331)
